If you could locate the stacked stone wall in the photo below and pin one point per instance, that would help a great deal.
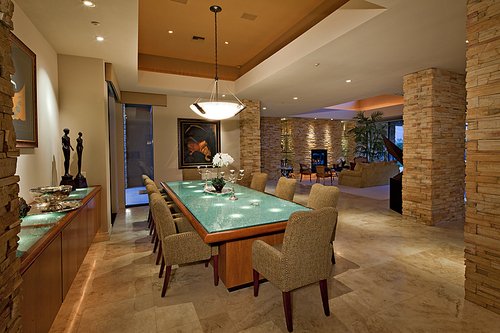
(482, 221)
(348, 140)
(434, 141)
(311, 134)
(250, 140)
(10, 224)
(270, 151)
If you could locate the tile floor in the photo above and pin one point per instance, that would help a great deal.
(390, 276)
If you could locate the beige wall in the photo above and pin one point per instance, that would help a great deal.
(40, 166)
(83, 107)
(165, 137)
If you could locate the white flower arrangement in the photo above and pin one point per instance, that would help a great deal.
(341, 160)
(221, 159)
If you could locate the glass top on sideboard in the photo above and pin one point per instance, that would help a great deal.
(216, 213)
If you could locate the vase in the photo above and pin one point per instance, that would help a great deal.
(218, 187)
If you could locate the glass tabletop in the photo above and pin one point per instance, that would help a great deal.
(217, 213)
(80, 193)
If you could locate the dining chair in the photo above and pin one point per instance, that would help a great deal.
(305, 170)
(259, 181)
(321, 172)
(324, 196)
(180, 242)
(285, 189)
(191, 174)
(302, 259)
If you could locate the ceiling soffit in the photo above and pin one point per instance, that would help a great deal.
(274, 25)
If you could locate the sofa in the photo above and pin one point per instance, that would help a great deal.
(369, 174)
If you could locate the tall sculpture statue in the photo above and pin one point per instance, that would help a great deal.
(66, 145)
(80, 180)
(67, 179)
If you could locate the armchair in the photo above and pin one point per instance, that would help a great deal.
(302, 259)
(305, 170)
(322, 173)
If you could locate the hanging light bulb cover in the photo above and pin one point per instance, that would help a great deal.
(215, 109)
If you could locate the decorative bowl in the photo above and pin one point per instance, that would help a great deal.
(50, 196)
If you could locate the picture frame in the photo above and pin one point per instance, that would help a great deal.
(24, 116)
(199, 141)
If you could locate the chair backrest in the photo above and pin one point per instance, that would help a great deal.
(145, 178)
(303, 167)
(360, 159)
(306, 246)
(190, 174)
(320, 169)
(259, 181)
(162, 215)
(323, 196)
(285, 189)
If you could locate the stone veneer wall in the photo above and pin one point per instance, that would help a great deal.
(434, 146)
(315, 134)
(270, 150)
(10, 278)
(348, 140)
(482, 221)
(250, 140)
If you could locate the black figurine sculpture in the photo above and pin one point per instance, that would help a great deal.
(67, 179)
(80, 180)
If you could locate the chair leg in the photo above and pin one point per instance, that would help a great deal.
(157, 241)
(159, 256)
(165, 282)
(149, 218)
(324, 296)
(216, 270)
(333, 257)
(300, 177)
(287, 304)
(255, 283)
(152, 225)
(161, 267)
(206, 262)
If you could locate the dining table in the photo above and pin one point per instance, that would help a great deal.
(233, 225)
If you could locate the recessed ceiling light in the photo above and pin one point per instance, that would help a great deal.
(170, 32)
(96, 23)
(99, 38)
(331, 118)
(88, 3)
(348, 81)
(264, 108)
(295, 98)
(316, 64)
(226, 43)
(315, 118)
(467, 41)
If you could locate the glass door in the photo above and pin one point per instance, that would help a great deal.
(138, 150)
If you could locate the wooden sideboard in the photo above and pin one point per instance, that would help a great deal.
(49, 266)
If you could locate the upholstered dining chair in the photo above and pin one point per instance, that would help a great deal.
(302, 259)
(285, 189)
(324, 196)
(180, 242)
(305, 170)
(322, 173)
(191, 174)
(259, 181)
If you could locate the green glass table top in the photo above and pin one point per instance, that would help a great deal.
(80, 193)
(217, 213)
(39, 219)
(29, 236)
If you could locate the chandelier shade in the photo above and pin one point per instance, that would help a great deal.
(213, 108)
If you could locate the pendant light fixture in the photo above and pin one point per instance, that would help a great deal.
(215, 109)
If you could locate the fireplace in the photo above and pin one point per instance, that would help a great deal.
(318, 157)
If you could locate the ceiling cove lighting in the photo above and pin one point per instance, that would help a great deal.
(215, 109)
(88, 3)
(99, 38)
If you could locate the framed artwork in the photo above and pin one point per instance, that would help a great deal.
(24, 81)
(199, 141)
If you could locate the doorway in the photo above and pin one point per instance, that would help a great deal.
(138, 151)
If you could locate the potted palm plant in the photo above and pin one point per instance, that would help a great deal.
(368, 135)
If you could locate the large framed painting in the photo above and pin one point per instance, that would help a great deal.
(199, 141)
(24, 81)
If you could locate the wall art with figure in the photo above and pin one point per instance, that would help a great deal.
(24, 82)
(199, 141)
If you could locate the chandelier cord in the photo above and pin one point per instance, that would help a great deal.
(216, 62)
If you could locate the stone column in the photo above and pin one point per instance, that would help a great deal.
(434, 146)
(270, 150)
(482, 221)
(10, 224)
(250, 140)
